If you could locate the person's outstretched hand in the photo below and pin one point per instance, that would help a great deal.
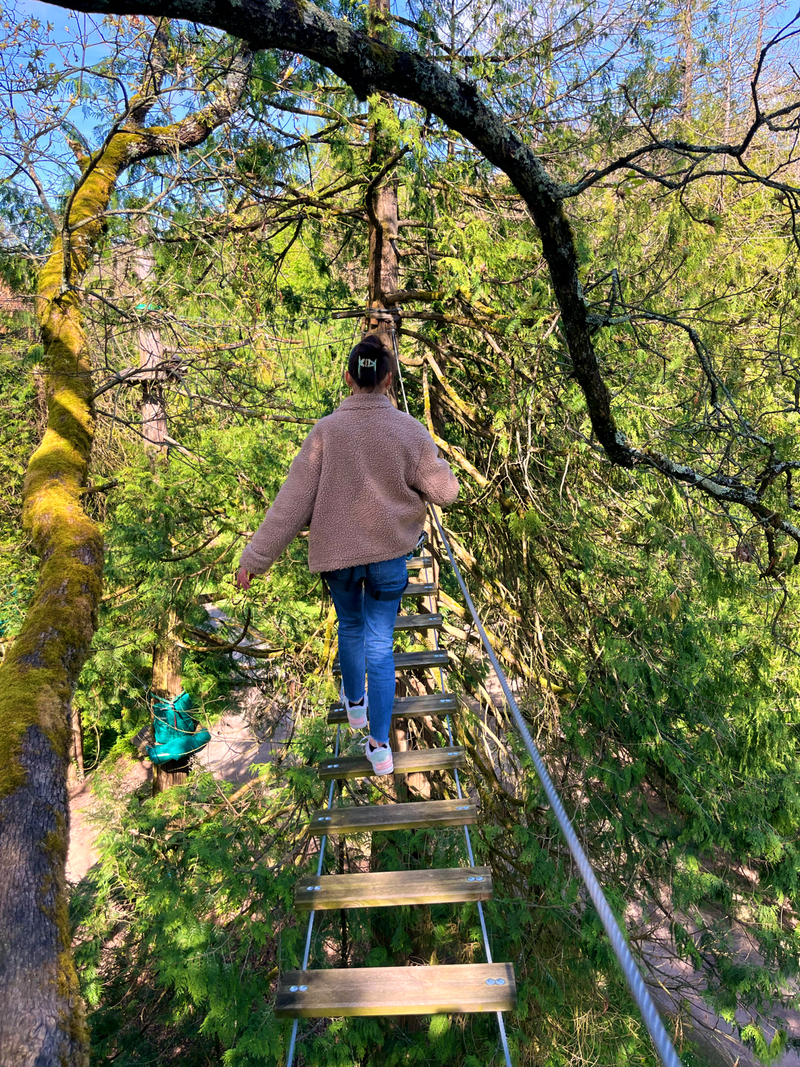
(243, 578)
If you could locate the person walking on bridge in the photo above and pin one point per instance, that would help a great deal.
(360, 482)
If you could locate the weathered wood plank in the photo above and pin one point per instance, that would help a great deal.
(430, 621)
(462, 987)
(420, 589)
(428, 657)
(418, 563)
(408, 707)
(406, 661)
(366, 818)
(409, 762)
(392, 888)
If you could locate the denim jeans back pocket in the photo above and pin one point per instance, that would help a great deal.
(345, 574)
(390, 575)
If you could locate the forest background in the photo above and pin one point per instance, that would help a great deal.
(641, 582)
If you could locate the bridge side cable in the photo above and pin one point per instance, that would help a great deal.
(652, 1019)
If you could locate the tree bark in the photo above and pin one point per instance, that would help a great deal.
(77, 743)
(685, 20)
(151, 357)
(167, 683)
(381, 201)
(41, 1014)
(154, 408)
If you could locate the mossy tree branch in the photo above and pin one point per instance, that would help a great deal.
(41, 1018)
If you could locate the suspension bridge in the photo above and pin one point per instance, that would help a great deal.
(449, 988)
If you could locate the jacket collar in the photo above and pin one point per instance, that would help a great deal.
(362, 401)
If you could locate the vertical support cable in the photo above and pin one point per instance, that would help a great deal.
(470, 855)
(307, 953)
(396, 350)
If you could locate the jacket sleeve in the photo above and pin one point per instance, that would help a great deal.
(433, 477)
(291, 510)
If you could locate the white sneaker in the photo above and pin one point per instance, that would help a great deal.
(380, 758)
(356, 713)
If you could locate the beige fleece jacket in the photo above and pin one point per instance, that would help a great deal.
(360, 482)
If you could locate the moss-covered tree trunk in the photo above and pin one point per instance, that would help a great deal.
(41, 1016)
(41, 1020)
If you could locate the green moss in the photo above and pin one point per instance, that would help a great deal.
(38, 675)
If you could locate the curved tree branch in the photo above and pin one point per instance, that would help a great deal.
(370, 65)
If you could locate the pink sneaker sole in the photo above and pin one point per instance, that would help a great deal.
(356, 713)
(381, 760)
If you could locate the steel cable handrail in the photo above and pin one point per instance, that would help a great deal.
(652, 1019)
(644, 1001)
(470, 854)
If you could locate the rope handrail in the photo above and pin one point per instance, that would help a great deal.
(641, 995)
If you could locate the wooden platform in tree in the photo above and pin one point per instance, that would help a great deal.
(408, 762)
(367, 818)
(391, 888)
(466, 987)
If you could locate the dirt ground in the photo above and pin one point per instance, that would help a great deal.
(230, 753)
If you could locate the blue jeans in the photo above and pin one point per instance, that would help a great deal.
(366, 629)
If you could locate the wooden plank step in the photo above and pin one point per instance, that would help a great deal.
(427, 657)
(461, 987)
(392, 888)
(367, 818)
(408, 707)
(432, 621)
(418, 563)
(420, 589)
(415, 759)
(406, 661)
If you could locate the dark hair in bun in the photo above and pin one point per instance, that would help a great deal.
(370, 361)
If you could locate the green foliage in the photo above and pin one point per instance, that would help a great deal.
(189, 901)
(655, 652)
